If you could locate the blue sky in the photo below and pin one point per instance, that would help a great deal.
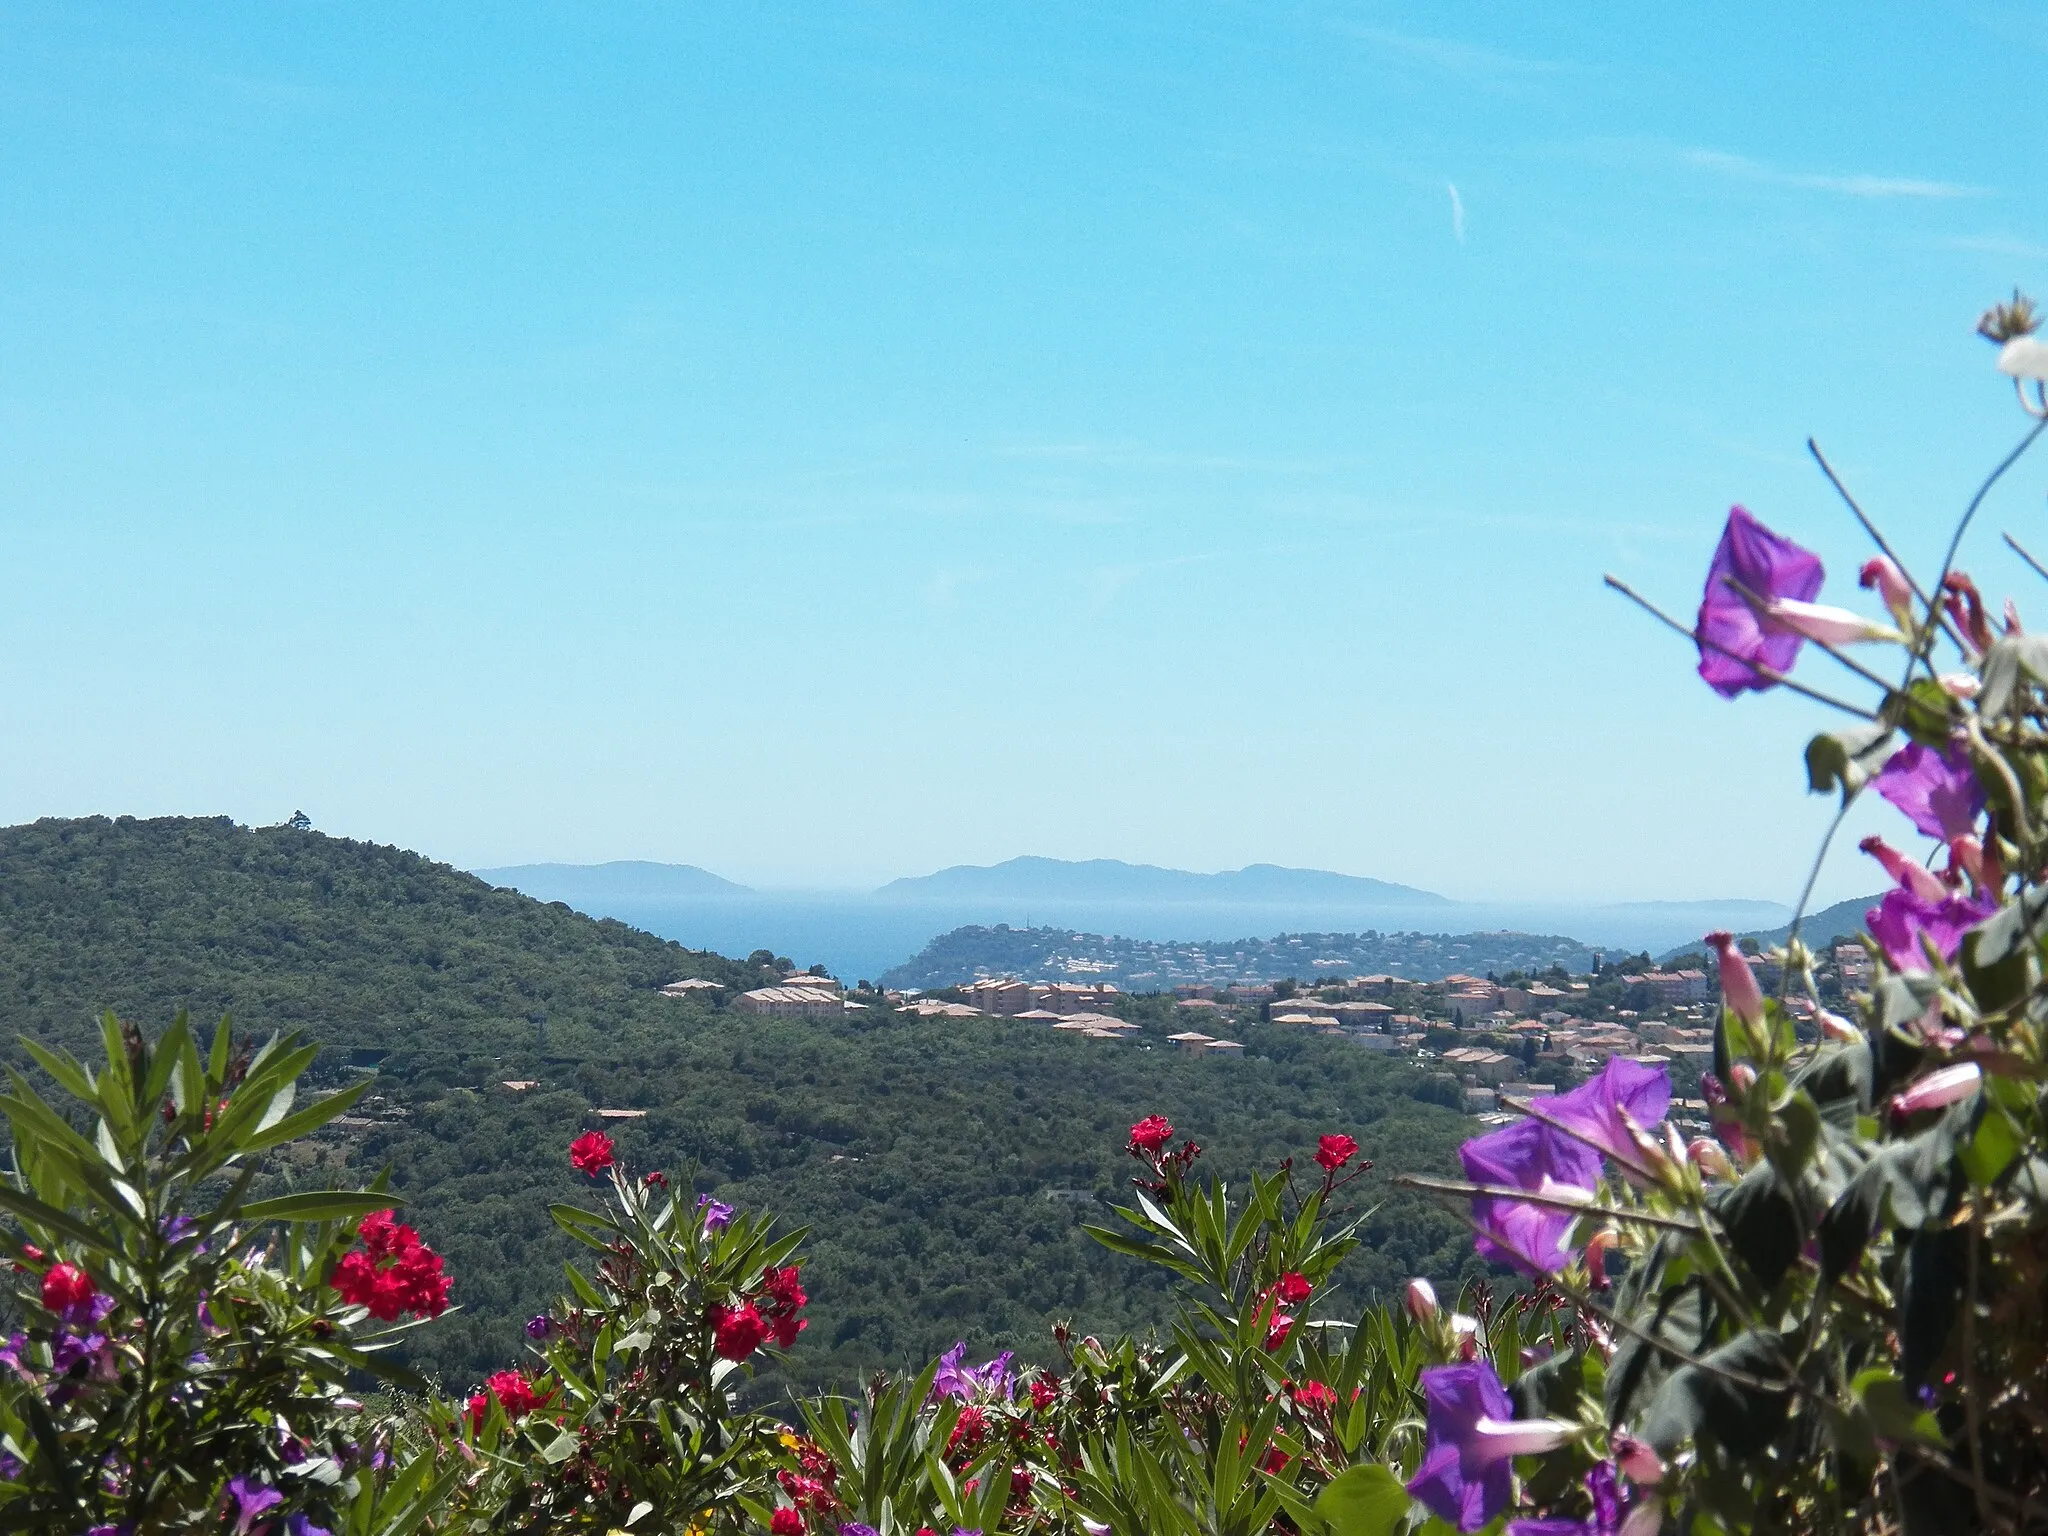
(825, 444)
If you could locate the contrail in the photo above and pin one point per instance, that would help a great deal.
(1457, 212)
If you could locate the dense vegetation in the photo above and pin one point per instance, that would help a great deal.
(920, 1152)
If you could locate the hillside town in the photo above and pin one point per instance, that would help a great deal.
(1500, 1040)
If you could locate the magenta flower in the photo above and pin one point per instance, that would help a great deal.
(1533, 1156)
(251, 1500)
(1599, 1111)
(1734, 641)
(1938, 791)
(968, 1381)
(1739, 990)
(716, 1213)
(1902, 918)
(1474, 1438)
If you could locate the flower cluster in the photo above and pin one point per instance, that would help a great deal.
(515, 1394)
(393, 1272)
(772, 1310)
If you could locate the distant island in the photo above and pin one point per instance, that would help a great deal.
(1145, 965)
(1037, 879)
(581, 885)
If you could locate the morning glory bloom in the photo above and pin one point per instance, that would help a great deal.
(1601, 1111)
(1543, 1160)
(855, 1528)
(251, 1500)
(966, 1381)
(539, 1326)
(1734, 639)
(1474, 1438)
(1938, 791)
(1899, 921)
(716, 1213)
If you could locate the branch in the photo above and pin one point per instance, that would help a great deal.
(1769, 674)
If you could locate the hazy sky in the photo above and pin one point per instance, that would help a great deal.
(827, 443)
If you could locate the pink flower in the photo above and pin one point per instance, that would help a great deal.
(1891, 585)
(1938, 1089)
(1738, 983)
(1917, 878)
(1421, 1300)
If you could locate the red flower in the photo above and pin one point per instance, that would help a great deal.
(516, 1393)
(969, 1430)
(1277, 1331)
(786, 1522)
(393, 1272)
(1275, 1461)
(1315, 1395)
(1293, 1287)
(1044, 1392)
(68, 1291)
(1151, 1133)
(782, 1287)
(1333, 1152)
(1020, 1483)
(804, 1492)
(736, 1332)
(591, 1153)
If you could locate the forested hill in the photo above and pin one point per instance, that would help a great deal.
(943, 1167)
(359, 945)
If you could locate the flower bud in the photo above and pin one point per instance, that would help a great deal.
(1708, 1157)
(1949, 1085)
(1738, 983)
(1917, 878)
(1834, 1027)
(1960, 685)
(1421, 1299)
(2024, 357)
(1743, 1075)
(1638, 1460)
(1465, 1335)
(1596, 1255)
(1891, 585)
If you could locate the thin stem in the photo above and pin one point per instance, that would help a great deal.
(1769, 674)
(1920, 651)
(2014, 544)
(1868, 526)
(1552, 1202)
(1969, 1393)
(1806, 892)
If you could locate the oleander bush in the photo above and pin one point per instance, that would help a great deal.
(1829, 1316)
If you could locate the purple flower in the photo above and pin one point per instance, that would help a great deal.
(954, 1379)
(1898, 922)
(539, 1326)
(716, 1213)
(855, 1528)
(302, 1525)
(251, 1500)
(1938, 791)
(1533, 1156)
(1593, 1112)
(1605, 1491)
(10, 1466)
(1474, 1438)
(1770, 567)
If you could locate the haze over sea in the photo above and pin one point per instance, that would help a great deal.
(864, 933)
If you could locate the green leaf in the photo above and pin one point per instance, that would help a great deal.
(306, 1121)
(1847, 759)
(1365, 1500)
(1795, 1132)
(1893, 1413)
(561, 1448)
(318, 1205)
(2005, 664)
(1989, 1151)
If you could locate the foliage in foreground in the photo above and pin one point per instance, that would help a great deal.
(1830, 1317)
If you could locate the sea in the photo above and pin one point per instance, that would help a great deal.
(857, 935)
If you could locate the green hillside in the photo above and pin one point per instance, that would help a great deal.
(920, 1153)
